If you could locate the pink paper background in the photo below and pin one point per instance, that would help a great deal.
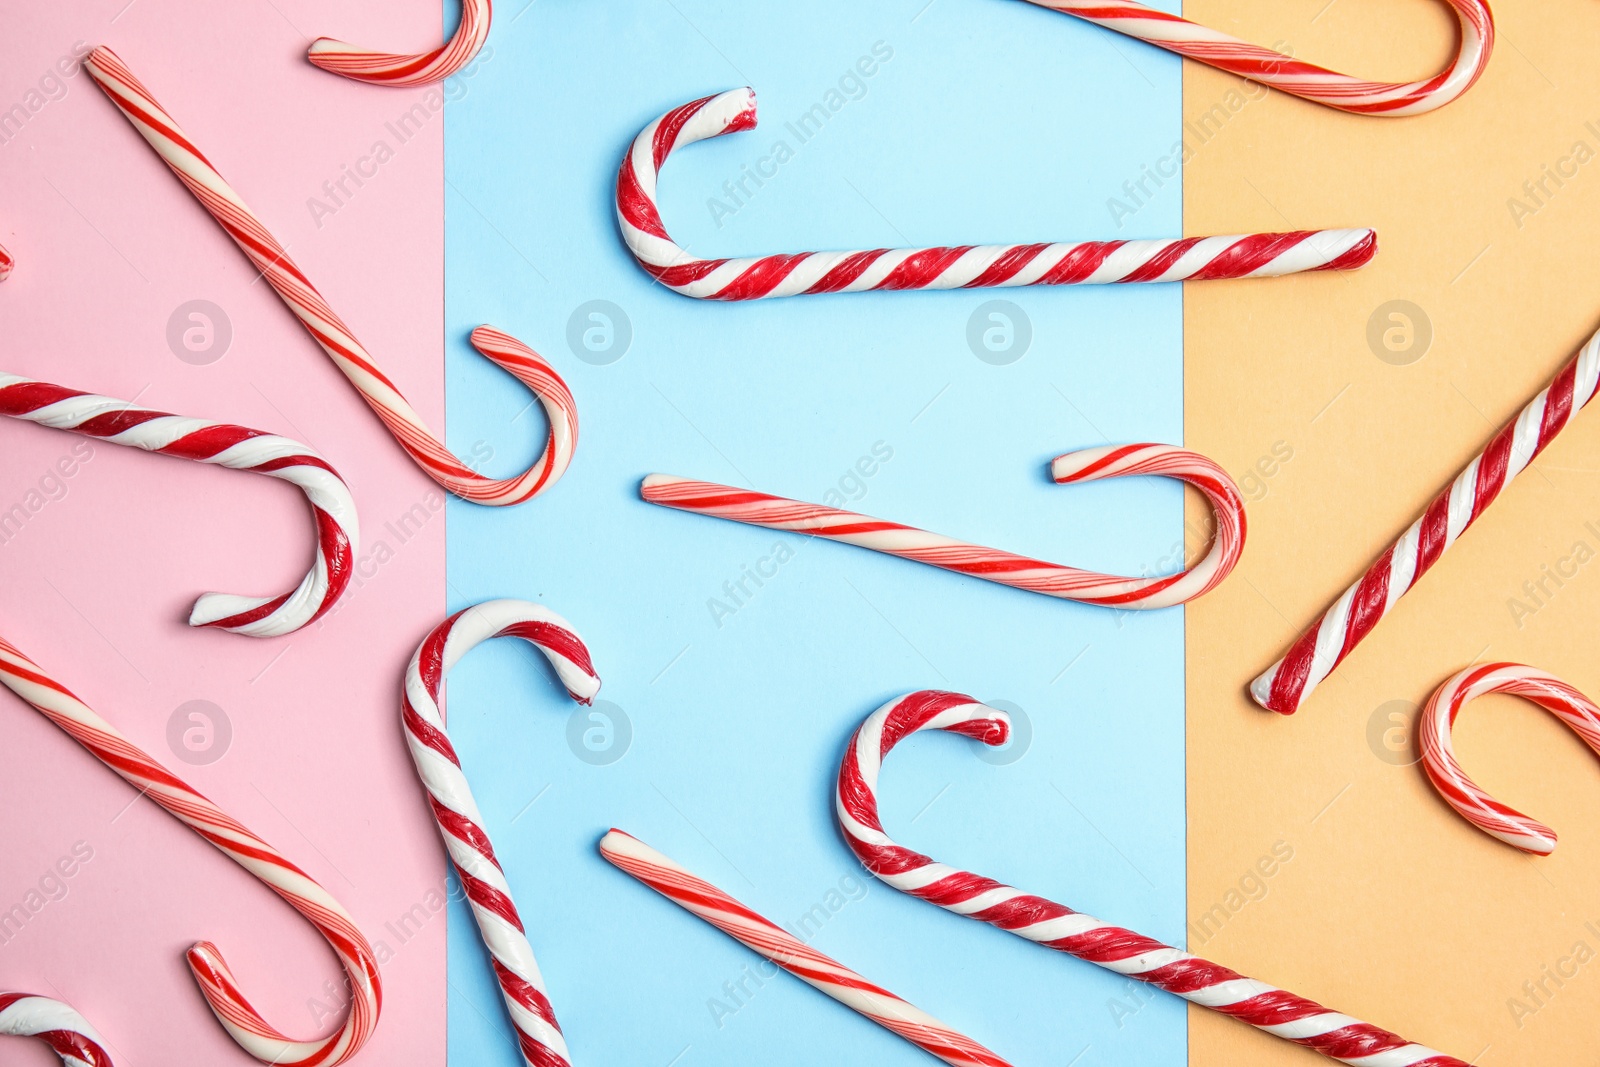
(98, 583)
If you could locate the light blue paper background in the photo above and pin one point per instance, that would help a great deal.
(993, 121)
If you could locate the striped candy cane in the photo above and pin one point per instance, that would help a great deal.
(382, 68)
(699, 897)
(6, 263)
(1457, 787)
(461, 824)
(224, 445)
(1284, 686)
(1305, 80)
(308, 305)
(1260, 255)
(1275, 1011)
(1036, 576)
(217, 983)
(67, 1033)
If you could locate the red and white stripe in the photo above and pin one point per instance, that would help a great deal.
(6, 263)
(424, 68)
(1284, 686)
(990, 564)
(1121, 951)
(217, 983)
(308, 305)
(456, 812)
(67, 1033)
(1290, 75)
(1259, 255)
(222, 444)
(694, 894)
(1457, 787)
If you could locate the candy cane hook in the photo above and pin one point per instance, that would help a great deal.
(67, 1033)
(456, 812)
(1054, 926)
(993, 565)
(252, 1033)
(1305, 80)
(699, 897)
(308, 305)
(221, 444)
(1457, 787)
(1260, 255)
(1285, 685)
(383, 68)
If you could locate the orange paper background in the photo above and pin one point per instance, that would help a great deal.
(1392, 908)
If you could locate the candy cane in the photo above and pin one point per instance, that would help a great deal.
(1457, 787)
(993, 565)
(699, 897)
(1305, 80)
(6, 263)
(308, 305)
(1260, 255)
(455, 811)
(1284, 686)
(224, 445)
(217, 983)
(67, 1033)
(1054, 926)
(383, 68)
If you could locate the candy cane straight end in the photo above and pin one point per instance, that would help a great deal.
(425, 68)
(58, 1025)
(1359, 254)
(655, 486)
(1457, 787)
(619, 843)
(1262, 692)
(102, 62)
